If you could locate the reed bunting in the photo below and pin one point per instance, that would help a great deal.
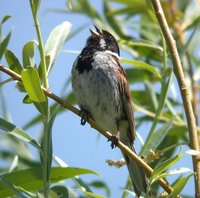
(102, 92)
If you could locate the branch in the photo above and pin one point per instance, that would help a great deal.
(178, 71)
(125, 149)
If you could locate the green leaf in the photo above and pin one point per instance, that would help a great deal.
(165, 85)
(55, 42)
(142, 65)
(5, 18)
(31, 179)
(23, 158)
(101, 185)
(14, 164)
(77, 180)
(47, 60)
(11, 187)
(46, 154)
(35, 4)
(3, 44)
(151, 11)
(90, 194)
(179, 185)
(30, 79)
(17, 132)
(141, 43)
(135, 75)
(2, 83)
(157, 138)
(113, 21)
(129, 8)
(152, 99)
(27, 100)
(28, 54)
(13, 62)
(69, 97)
(89, 10)
(161, 167)
(172, 172)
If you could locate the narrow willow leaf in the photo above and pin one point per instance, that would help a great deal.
(35, 4)
(172, 172)
(3, 44)
(42, 107)
(157, 138)
(113, 21)
(90, 194)
(77, 180)
(151, 11)
(26, 160)
(28, 193)
(11, 187)
(89, 10)
(152, 99)
(142, 43)
(5, 18)
(101, 185)
(14, 164)
(142, 65)
(184, 49)
(165, 85)
(136, 74)
(13, 62)
(55, 42)
(17, 132)
(161, 167)
(31, 179)
(179, 185)
(47, 146)
(27, 100)
(28, 54)
(2, 83)
(30, 79)
(35, 120)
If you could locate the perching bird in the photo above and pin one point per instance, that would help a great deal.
(102, 92)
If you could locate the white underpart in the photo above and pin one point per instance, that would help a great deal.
(102, 43)
(97, 91)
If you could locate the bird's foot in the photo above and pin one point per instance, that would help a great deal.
(114, 140)
(84, 117)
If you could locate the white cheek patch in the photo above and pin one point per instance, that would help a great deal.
(112, 53)
(102, 43)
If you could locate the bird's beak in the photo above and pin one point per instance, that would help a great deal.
(97, 33)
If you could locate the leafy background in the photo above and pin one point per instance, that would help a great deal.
(81, 146)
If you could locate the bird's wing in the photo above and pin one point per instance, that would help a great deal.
(126, 100)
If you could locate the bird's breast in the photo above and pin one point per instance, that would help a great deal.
(97, 91)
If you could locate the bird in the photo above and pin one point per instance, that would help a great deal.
(102, 92)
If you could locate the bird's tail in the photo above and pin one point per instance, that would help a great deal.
(137, 175)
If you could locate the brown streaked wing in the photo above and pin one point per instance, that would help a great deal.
(126, 99)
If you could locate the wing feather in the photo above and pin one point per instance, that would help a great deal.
(126, 100)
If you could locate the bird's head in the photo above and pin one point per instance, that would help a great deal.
(102, 40)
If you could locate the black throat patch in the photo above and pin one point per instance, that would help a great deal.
(85, 60)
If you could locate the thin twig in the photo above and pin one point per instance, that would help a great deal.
(125, 149)
(194, 144)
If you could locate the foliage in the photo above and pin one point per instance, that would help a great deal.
(149, 66)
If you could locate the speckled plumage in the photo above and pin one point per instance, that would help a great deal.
(101, 88)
